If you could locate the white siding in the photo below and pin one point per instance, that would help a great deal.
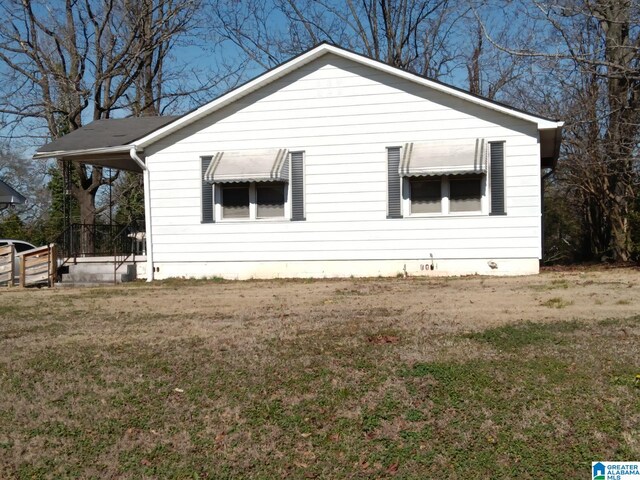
(343, 116)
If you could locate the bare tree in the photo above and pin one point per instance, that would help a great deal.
(64, 63)
(415, 35)
(491, 72)
(592, 48)
(29, 178)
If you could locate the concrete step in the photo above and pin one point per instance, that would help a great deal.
(96, 273)
(85, 277)
(99, 268)
(83, 284)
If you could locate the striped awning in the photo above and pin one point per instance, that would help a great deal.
(450, 157)
(249, 166)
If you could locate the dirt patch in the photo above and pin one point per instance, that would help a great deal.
(239, 313)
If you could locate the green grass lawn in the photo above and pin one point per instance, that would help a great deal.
(369, 396)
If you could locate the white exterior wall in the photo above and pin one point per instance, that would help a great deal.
(343, 116)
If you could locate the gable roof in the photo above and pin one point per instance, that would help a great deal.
(109, 142)
(315, 53)
(9, 195)
(105, 135)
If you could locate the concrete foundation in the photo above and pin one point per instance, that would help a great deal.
(359, 268)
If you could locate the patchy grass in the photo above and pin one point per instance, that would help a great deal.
(515, 336)
(559, 283)
(557, 302)
(350, 379)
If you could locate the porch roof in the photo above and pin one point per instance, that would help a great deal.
(104, 142)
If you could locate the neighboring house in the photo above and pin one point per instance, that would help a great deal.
(9, 196)
(333, 164)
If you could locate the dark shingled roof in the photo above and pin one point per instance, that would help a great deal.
(113, 132)
(8, 195)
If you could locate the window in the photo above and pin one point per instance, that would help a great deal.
(235, 201)
(426, 195)
(465, 194)
(270, 200)
(19, 246)
(22, 247)
(444, 194)
(439, 177)
(242, 185)
(251, 200)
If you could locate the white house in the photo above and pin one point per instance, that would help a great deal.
(333, 164)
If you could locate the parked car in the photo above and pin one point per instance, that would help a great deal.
(20, 247)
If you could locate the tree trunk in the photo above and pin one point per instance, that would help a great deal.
(621, 237)
(84, 190)
(86, 201)
(621, 128)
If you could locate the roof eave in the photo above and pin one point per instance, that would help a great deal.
(82, 152)
(231, 96)
(542, 123)
(550, 161)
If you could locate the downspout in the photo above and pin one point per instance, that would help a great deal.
(147, 211)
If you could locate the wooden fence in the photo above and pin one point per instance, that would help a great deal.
(7, 265)
(37, 267)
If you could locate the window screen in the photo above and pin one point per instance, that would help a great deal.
(426, 196)
(465, 194)
(235, 201)
(270, 200)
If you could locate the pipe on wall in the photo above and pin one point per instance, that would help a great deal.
(147, 211)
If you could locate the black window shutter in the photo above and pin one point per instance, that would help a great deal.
(497, 178)
(207, 193)
(297, 186)
(394, 182)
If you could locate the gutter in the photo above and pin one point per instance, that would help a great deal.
(82, 152)
(147, 210)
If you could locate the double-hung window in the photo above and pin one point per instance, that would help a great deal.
(465, 193)
(444, 195)
(425, 195)
(234, 201)
(252, 200)
(270, 199)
